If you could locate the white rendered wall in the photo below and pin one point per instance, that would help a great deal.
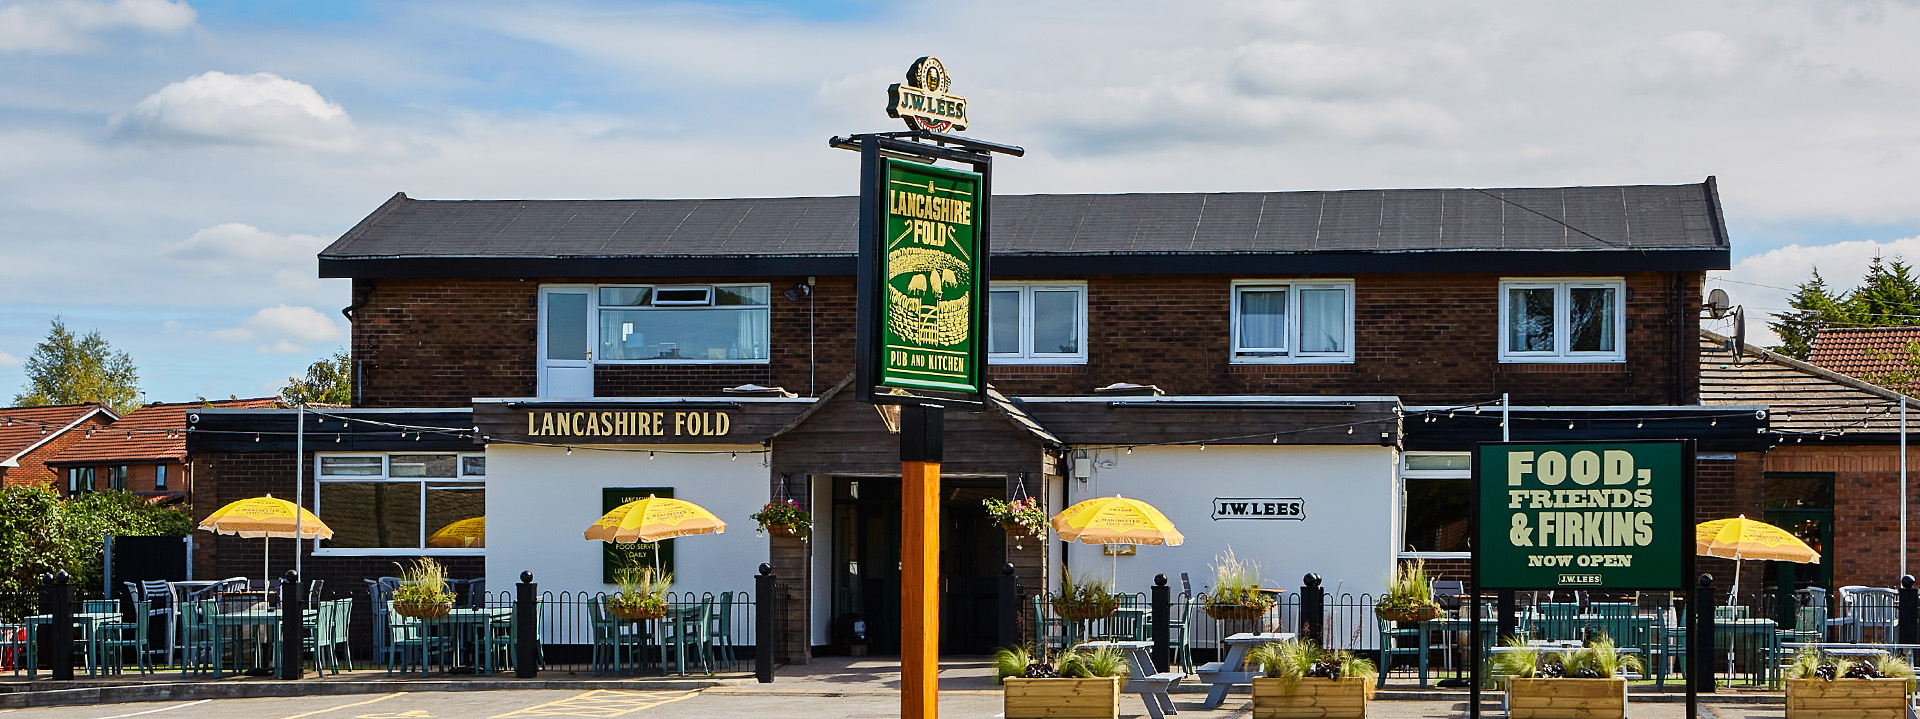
(540, 500)
(821, 544)
(1350, 534)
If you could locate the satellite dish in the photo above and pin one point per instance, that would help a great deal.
(1718, 303)
(1739, 331)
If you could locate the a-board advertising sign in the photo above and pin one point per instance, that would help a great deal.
(932, 292)
(1584, 515)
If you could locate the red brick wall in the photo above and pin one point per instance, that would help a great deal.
(1425, 338)
(1866, 507)
(228, 477)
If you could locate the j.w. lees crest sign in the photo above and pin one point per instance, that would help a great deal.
(923, 102)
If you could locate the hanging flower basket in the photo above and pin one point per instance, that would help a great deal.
(637, 610)
(421, 610)
(1021, 517)
(1228, 612)
(1416, 613)
(1080, 611)
(783, 516)
(782, 529)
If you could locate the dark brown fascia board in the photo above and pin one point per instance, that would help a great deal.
(182, 457)
(1221, 263)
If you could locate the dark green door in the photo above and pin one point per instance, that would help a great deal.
(866, 557)
(1802, 503)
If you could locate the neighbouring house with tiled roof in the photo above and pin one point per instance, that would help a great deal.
(144, 452)
(1870, 353)
(1834, 454)
(29, 436)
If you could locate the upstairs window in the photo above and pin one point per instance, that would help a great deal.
(689, 323)
(1298, 322)
(159, 476)
(1579, 320)
(1037, 323)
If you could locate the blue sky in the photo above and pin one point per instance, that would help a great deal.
(168, 168)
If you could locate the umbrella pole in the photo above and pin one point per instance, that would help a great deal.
(1733, 592)
(266, 559)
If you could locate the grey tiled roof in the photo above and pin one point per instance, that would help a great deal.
(1613, 218)
(1802, 399)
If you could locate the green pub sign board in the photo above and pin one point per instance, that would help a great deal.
(1601, 515)
(616, 556)
(932, 289)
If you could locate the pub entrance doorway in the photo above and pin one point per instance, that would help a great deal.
(865, 574)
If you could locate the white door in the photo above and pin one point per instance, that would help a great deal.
(566, 342)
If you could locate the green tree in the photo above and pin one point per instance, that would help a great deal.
(1814, 307)
(1888, 295)
(328, 381)
(40, 534)
(75, 369)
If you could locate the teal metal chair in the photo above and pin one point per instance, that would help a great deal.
(100, 606)
(408, 643)
(114, 639)
(721, 629)
(1388, 650)
(687, 631)
(610, 643)
(1049, 632)
(13, 646)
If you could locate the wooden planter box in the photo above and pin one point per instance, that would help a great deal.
(1057, 698)
(1849, 698)
(1567, 698)
(1312, 697)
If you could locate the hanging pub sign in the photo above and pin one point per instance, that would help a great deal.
(930, 329)
(923, 101)
(1597, 515)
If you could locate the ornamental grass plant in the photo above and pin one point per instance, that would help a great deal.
(1294, 659)
(642, 595)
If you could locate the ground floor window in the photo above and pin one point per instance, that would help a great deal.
(377, 503)
(1436, 505)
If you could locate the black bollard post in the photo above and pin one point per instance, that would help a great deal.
(1508, 613)
(1313, 602)
(291, 626)
(59, 593)
(1700, 648)
(1162, 599)
(1009, 606)
(763, 610)
(526, 627)
(1909, 617)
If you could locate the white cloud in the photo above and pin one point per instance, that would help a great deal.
(1762, 283)
(285, 329)
(234, 248)
(8, 360)
(68, 26)
(258, 109)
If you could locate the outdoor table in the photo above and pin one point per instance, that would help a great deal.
(1451, 624)
(85, 622)
(257, 621)
(1765, 647)
(1853, 649)
(1233, 670)
(1142, 679)
(465, 624)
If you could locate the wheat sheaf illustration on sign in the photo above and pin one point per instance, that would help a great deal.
(928, 296)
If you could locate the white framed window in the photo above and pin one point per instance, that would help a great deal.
(1434, 504)
(393, 503)
(159, 476)
(1563, 320)
(1037, 323)
(652, 324)
(1292, 321)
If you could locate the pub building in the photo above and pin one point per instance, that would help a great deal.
(1295, 376)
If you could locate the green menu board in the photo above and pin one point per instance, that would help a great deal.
(1599, 515)
(620, 555)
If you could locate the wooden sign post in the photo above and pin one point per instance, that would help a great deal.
(925, 244)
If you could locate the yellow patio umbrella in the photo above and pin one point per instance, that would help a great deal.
(266, 518)
(653, 519)
(1116, 520)
(1741, 538)
(469, 532)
